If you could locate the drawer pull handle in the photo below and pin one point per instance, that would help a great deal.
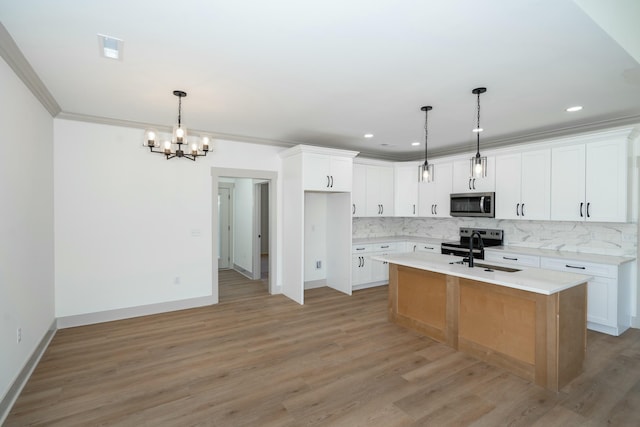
(575, 266)
(360, 249)
(384, 247)
(429, 248)
(509, 258)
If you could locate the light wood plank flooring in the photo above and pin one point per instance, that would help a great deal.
(336, 361)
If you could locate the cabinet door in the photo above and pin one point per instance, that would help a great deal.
(406, 191)
(508, 179)
(341, 173)
(463, 182)
(359, 192)
(535, 185)
(360, 270)
(379, 269)
(443, 177)
(602, 301)
(379, 191)
(606, 181)
(568, 178)
(316, 172)
(434, 196)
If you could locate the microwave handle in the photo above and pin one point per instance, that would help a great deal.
(482, 204)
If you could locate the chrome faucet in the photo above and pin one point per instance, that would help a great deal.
(473, 234)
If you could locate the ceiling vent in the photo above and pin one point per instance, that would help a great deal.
(110, 47)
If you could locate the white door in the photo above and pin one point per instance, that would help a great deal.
(568, 177)
(606, 182)
(359, 193)
(406, 191)
(508, 179)
(379, 191)
(224, 222)
(443, 177)
(536, 185)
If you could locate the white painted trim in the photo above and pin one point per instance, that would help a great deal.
(301, 148)
(21, 380)
(129, 312)
(314, 284)
(272, 178)
(10, 52)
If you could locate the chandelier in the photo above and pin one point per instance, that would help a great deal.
(174, 147)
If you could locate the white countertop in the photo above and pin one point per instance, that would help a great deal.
(536, 280)
(575, 256)
(385, 239)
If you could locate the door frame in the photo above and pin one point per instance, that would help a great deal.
(272, 179)
(230, 187)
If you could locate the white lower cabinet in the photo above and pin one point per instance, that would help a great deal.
(608, 293)
(367, 272)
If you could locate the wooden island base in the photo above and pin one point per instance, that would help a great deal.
(541, 338)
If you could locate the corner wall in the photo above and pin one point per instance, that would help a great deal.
(26, 228)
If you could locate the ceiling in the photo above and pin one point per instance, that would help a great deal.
(327, 72)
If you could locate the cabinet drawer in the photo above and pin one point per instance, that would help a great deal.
(424, 247)
(361, 249)
(385, 247)
(572, 266)
(514, 259)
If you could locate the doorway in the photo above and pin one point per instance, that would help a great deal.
(262, 211)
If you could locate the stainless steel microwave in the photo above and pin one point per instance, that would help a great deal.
(473, 204)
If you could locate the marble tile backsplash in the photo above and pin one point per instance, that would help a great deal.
(619, 239)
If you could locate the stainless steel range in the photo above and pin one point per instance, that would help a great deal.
(488, 237)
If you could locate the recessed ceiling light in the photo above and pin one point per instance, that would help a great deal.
(415, 143)
(477, 130)
(110, 47)
(574, 109)
(368, 135)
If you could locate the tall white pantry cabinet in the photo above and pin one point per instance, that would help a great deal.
(317, 208)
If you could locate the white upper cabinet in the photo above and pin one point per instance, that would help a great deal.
(372, 190)
(523, 183)
(359, 191)
(464, 182)
(379, 191)
(406, 190)
(327, 173)
(590, 182)
(434, 196)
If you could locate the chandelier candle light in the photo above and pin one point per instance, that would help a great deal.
(425, 169)
(178, 139)
(478, 163)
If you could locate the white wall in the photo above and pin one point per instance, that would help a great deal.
(26, 225)
(315, 235)
(129, 222)
(243, 195)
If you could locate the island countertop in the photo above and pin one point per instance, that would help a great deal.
(538, 280)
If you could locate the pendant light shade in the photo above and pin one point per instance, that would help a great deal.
(425, 170)
(478, 162)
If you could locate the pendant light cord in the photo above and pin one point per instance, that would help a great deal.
(426, 134)
(180, 110)
(478, 128)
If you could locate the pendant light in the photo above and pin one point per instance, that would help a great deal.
(425, 169)
(478, 163)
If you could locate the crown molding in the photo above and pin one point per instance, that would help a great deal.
(12, 55)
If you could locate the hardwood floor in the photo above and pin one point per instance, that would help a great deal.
(336, 361)
(234, 286)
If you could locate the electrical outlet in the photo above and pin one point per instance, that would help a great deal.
(19, 335)
(176, 280)
(318, 265)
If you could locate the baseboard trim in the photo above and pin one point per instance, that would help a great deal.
(635, 322)
(129, 312)
(245, 273)
(16, 388)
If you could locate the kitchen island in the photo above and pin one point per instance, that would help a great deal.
(531, 322)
